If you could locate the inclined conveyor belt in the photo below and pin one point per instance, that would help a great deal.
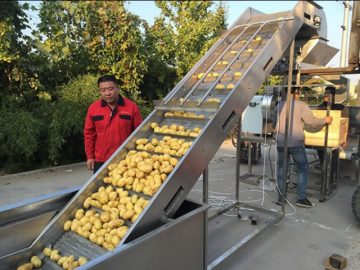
(182, 135)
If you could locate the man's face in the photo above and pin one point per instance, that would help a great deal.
(109, 92)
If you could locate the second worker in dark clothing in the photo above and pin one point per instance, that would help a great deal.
(109, 121)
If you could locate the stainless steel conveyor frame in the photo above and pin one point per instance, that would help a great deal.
(238, 62)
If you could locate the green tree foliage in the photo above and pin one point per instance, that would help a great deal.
(93, 36)
(185, 30)
(48, 80)
(16, 76)
(269, 81)
(179, 37)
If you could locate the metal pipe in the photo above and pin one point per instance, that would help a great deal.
(326, 157)
(344, 37)
(206, 185)
(238, 152)
(287, 124)
(249, 158)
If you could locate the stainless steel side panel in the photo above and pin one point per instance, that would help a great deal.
(177, 245)
(19, 235)
(22, 222)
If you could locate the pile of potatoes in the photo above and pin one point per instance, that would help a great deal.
(35, 262)
(168, 145)
(105, 229)
(125, 206)
(176, 129)
(184, 114)
(66, 262)
(141, 172)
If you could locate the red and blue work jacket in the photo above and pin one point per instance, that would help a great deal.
(106, 129)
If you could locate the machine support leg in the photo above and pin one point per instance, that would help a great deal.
(238, 152)
(324, 181)
(287, 124)
(249, 158)
(206, 185)
(357, 162)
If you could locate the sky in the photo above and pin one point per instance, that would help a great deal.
(334, 11)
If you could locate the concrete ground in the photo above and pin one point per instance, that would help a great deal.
(303, 239)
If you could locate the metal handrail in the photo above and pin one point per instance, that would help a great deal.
(179, 85)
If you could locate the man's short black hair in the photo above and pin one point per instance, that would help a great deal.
(108, 78)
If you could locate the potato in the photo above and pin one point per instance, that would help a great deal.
(55, 256)
(112, 166)
(113, 196)
(105, 216)
(47, 251)
(74, 225)
(100, 240)
(103, 197)
(79, 213)
(106, 207)
(66, 265)
(166, 169)
(173, 161)
(193, 134)
(92, 237)
(139, 188)
(87, 227)
(96, 204)
(129, 214)
(116, 223)
(62, 260)
(133, 219)
(108, 246)
(146, 168)
(114, 215)
(122, 231)
(142, 141)
(124, 193)
(83, 221)
(25, 266)
(115, 240)
(87, 202)
(35, 260)
(146, 202)
(67, 225)
(71, 258)
(82, 260)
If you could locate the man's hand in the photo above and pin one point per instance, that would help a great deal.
(90, 164)
(328, 119)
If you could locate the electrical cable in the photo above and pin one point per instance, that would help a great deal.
(222, 199)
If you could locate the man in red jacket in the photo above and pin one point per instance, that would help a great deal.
(109, 121)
